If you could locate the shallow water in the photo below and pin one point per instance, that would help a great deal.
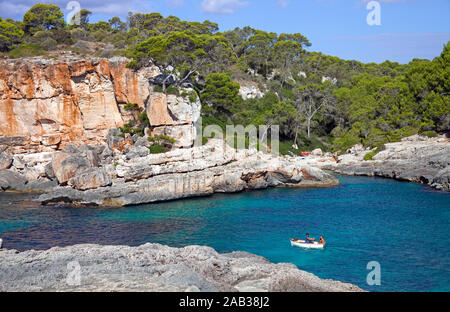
(403, 226)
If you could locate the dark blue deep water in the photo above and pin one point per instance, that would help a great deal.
(403, 226)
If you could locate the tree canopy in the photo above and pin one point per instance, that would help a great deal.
(43, 16)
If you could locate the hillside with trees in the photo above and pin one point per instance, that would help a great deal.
(316, 99)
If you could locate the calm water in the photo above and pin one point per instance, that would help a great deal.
(405, 227)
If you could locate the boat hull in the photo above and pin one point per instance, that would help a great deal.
(303, 244)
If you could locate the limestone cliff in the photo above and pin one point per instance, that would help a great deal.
(45, 104)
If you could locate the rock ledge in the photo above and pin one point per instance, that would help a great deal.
(153, 267)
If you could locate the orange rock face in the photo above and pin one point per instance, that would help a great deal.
(158, 111)
(45, 104)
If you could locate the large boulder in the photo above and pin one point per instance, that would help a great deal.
(138, 151)
(5, 161)
(66, 166)
(70, 149)
(11, 180)
(91, 179)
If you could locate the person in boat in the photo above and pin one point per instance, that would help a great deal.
(321, 240)
(308, 239)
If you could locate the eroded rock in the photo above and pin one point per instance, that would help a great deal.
(91, 179)
(11, 180)
(5, 161)
(153, 267)
(66, 166)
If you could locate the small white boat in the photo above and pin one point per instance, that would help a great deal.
(304, 244)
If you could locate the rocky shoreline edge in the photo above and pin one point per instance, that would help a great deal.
(102, 175)
(155, 268)
(416, 159)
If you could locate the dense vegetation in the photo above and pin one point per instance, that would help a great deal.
(317, 100)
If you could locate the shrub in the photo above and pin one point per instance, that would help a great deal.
(157, 149)
(131, 129)
(143, 119)
(157, 89)
(49, 44)
(79, 33)
(27, 50)
(131, 107)
(192, 96)
(161, 139)
(345, 142)
(172, 90)
(62, 36)
(132, 65)
(370, 155)
(430, 134)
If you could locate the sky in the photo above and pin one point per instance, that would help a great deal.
(403, 29)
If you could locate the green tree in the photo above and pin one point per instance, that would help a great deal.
(186, 52)
(220, 95)
(43, 16)
(10, 34)
(117, 24)
(259, 49)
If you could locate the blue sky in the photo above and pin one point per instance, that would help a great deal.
(409, 28)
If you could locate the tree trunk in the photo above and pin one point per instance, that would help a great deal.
(309, 127)
(296, 135)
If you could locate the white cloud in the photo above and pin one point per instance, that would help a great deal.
(221, 6)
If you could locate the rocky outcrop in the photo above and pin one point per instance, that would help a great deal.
(183, 173)
(249, 90)
(47, 104)
(5, 161)
(90, 179)
(66, 166)
(10, 180)
(415, 159)
(153, 267)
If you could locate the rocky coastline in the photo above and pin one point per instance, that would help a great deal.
(417, 159)
(104, 176)
(153, 267)
(63, 135)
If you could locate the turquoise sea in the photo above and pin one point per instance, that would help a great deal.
(403, 226)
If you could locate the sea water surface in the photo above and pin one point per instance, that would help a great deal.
(403, 226)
